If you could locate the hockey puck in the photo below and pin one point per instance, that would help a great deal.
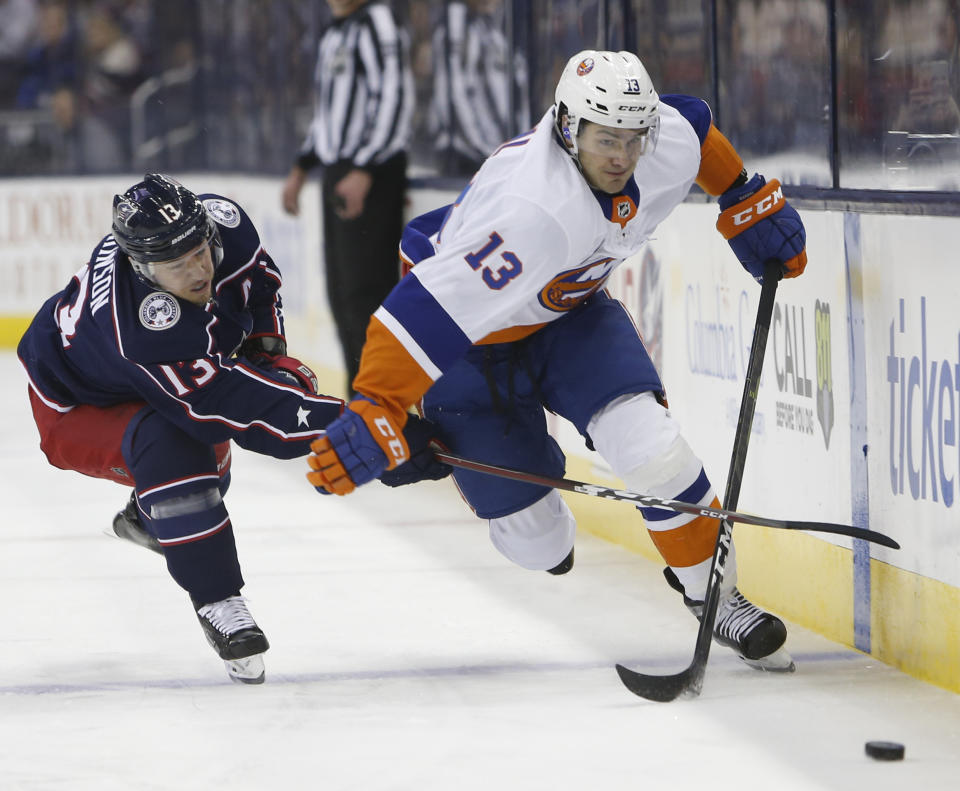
(884, 751)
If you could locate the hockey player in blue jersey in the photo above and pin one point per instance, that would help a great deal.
(165, 346)
(504, 314)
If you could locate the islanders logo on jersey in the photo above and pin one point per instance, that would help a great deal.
(585, 66)
(570, 288)
(159, 311)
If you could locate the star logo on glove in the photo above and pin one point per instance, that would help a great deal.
(302, 415)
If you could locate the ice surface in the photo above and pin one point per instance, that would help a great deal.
(406, 654)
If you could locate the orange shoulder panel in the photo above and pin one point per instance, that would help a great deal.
(720, 164)
(388, 374)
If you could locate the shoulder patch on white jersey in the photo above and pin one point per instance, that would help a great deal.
(223, 212)
(159, 311)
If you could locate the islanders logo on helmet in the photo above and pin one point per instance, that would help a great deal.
(570, 288)
(585, 66)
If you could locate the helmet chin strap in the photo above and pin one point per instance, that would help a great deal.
(216, 250)
(568, 136)
(144, 270)
(562, 131)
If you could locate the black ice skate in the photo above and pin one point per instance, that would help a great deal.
(754, 634)
(563, 566)
(235, 636)
(127, 524)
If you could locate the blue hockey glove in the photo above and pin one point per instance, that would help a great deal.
(422, 465)
(356, 448)
(760, 226)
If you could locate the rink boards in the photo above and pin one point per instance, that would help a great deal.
(857, 417)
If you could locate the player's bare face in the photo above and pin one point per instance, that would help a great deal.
(189, 277)
(608, 156)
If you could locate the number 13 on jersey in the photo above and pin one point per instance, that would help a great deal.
(504, 274)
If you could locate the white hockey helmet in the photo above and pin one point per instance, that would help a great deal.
(609, 88)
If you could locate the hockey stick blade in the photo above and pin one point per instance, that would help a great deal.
(663, 689)
(649, 501)
(688, 682)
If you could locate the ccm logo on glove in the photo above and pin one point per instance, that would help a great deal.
(765, 202)
(394, 444)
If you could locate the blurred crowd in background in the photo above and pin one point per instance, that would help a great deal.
(841, 93)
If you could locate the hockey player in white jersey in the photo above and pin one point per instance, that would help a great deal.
(504, 314)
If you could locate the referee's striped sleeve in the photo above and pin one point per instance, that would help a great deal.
(380, 48)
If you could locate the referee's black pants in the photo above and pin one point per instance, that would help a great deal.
(361, 255)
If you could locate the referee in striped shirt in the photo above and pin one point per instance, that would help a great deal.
(359, 135)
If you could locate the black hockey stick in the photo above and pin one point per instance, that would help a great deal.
(690, 681)
(649, 501)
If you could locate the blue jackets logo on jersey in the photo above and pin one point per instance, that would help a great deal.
(159, 311)
(570, 288)
(223, 212)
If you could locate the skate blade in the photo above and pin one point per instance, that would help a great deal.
(249, 670)
(777, 662)
(141, 540)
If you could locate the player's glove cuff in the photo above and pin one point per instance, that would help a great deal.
(422, 465)
(744, 206)
(296, 372)
(269, 352)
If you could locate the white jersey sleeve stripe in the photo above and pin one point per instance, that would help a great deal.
(406, 340)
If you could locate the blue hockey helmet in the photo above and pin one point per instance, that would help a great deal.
(159, 220)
